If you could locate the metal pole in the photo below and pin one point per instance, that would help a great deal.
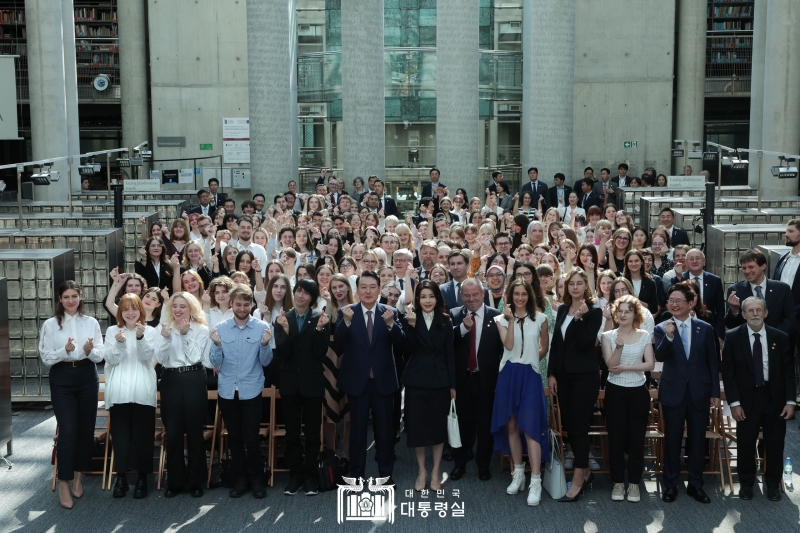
(760, 156)
(20, 169)
(685, 156)
(719, 170)
(108, 170)
(69, 183)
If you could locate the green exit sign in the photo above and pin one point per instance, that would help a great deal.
(630, 144)
(208, 146)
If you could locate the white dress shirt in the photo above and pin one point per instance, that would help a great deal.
(183, 350)
(790, 268)
(763, 286)
(764, 357)
(700, 283)
(479, 314)
(130, 376)
(531, 330)
(428, 317)
(258, 252)
(679, 329)
(53, 340)
(566, 213)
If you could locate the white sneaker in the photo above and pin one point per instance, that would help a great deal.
(568, 458)
(535, 490)
(593, 465)
(518, 479)
(618, 492)
(633, 493)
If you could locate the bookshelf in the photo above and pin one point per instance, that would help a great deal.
(729, 48)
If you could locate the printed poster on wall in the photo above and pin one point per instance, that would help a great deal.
(236, 140)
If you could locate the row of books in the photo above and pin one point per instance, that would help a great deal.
(730, 57)
(107, 58)
(732, 11)
(82, 30)
(92, 14)
(12, 17)
(731, 42)
(732, 25)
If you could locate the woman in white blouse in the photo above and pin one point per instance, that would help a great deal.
(628, 353)
(181, 350)
(217, 307)
(70, 343)
(569, 212)
(131, 393)
(519, 404)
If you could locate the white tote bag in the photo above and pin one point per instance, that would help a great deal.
(554, 481)
(453, 434)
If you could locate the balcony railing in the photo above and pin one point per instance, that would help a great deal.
(729, 63)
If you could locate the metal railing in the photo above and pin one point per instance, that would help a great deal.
(410, 156)
(729, 62)
(97, 57)
(508, 154)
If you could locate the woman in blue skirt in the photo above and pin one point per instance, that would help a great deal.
(519, 404)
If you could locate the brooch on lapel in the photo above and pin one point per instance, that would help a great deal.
(698, 330)
(774, 345)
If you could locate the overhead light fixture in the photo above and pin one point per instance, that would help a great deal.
(124, 162)
(784, 172)
(89, 169)
(147, 155)
(136, 161)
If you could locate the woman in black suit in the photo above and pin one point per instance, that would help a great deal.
(574, 373)
(643, 285)
(154, 264)
(429, 377)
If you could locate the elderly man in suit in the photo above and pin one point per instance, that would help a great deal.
(367, 334)
(758, 372)
(689, 384)
(711, 292)
(478, 350)
(777, 294)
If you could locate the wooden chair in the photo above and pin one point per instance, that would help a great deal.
(654, 437)
(599, 431)
(101, 434)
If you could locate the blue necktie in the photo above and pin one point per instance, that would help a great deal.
(685, 339)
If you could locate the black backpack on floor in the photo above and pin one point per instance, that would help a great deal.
(330, 473)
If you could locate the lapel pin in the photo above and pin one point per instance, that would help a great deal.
(773, 345)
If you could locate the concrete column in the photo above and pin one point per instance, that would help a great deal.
(48, 100)
(457, 93)
(132, 16)
(691, 79)
(548, 60)
(272, 81)
(493, 140)
(71, 89)
(757, 85)
(363, 105)
(781, 120)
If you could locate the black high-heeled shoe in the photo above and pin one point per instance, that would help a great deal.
(589, 479)
(566, 499)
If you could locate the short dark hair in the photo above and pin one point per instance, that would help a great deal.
(290, 182)
(500, 235)
(753, 254)
(608, 171)
(203, 191)
(559, 176)
(431, 171)
(588, 168)
(502, 184)
(309, 286)
(683, 288)
(463, 254)
(534, 169)
(231, 200)
(496, 173)
(368, 274)
(587, 181)
(665, 209)
(275, 199)
(424, 201)
(256, 195)
(623, 165)
(248, 203)
(213, 180)
(794, 222)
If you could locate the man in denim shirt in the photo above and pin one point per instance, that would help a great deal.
(241, 349)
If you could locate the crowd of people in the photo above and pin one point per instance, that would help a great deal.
(361, 316)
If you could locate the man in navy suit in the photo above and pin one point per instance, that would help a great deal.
(367, 334)
(587, 198)
(689, 384)
(710, 288)
(458, 261)
(777, 294)
(666, 217)
(478, 350)
(427, 189)
(787, 269)
(537, 188)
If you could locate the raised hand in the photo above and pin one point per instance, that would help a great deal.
(734, 302)
(388, 317)
(266, 337)
(122, 278)
(619, 341)
(582, 308)
(508, 315)
(347, 314)
(165, 294)
(214, 336)
(142, 253)
(206, 298)
(88, 345)
(165, 332)
(283, 322)
(257, 265)
(176, 262)
(114, 274)
(215, 261)
(183, 327)
(323, 321)
(468, 321)
(120, 336)
(411, 316)
(669, 328)
(140, 331)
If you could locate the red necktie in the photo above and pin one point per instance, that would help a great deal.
(472, 363)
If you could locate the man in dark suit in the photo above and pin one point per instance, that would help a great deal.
(217, 198)
(622, 177)
(666, 217)
(385, 202)
(478, 350)
(497, 177)
(301, 339)
(777, 294)
(367, 334)
(710, 288)
(606, 188)
(758, 372)
(204, 197)
(425, 208)
(537, 188)
(427, 189)
(458, 261)
(587, 198)
(689, 384)
(787, 269)
(558, 194)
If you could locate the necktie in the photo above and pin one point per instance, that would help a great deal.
(402, 284)
(369, 325)
(472, 363)
(459, 301)
(758, 360)
(759, 292)
(700, 286)
(685, 339)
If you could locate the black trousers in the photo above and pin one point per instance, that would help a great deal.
(243, 418)
(382, 406)
(761, 415)
(474, 406)
(183, 405)
(696, 421)
(73, 391)
(132, 429)
(577, 395)
(299, 410)
(626, 410)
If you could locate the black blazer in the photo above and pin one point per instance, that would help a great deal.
(148, 272)
(490, 348)
(738, 371)
(553, 195)
(779, 303)
(679, 236)
(430, 362)
(648, 295)
(577, 352)
(591, 199)
(541, 190)
(427, 189)
(796, 283)
(301, 353)
(220, 200)
(199, 210)
(713, 299)
(613, 183)
(389, 207)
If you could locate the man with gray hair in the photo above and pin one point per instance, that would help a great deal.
(758, 373)
(711, 292)
(402, 260)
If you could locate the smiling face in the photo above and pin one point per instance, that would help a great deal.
(427, 300)
(272, 270)
(181, 309)
(438, 276)
(339, 290)
(324, 277)
(189, 283)
(221, 295)
(70, 299)
(150, 302)
(520, 297)
(634, 264)
(131, 315)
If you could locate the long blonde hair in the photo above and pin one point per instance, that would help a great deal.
(196, 310)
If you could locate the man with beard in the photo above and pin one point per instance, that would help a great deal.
(208, 232)
(241, 378)
(244, 242)
(786, 271)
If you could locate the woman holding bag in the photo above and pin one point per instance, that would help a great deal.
(429, 377)
(519, 404)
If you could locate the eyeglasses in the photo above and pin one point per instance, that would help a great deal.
(672, 301)
(623, 239)
(756, 311)
(620, 292)
(526, 275)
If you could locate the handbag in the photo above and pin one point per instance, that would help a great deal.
(453, 433)
(554, 480)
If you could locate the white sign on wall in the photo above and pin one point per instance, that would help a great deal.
(686, 182)
(236, 140)
(9, 128)
(236, 151)
(142, 185)
(186, 175)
